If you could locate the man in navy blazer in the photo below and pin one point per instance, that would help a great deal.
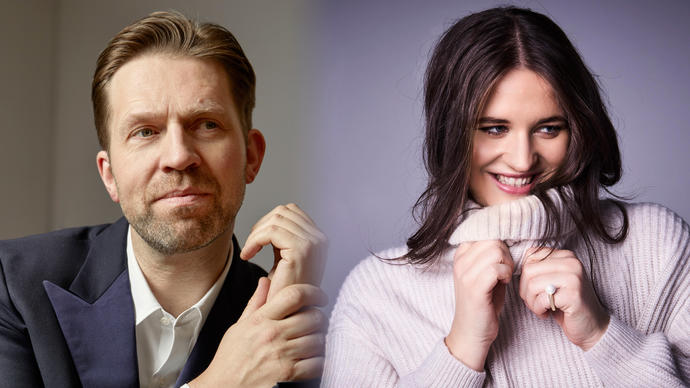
(165, 296)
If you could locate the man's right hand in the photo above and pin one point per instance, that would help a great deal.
(279, 340)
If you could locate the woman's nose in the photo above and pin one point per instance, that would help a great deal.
(519, 153)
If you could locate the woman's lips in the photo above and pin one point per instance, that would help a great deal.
(516, 185)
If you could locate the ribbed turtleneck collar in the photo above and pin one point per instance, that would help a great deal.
(518, 223)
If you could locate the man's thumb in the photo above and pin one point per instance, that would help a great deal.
(258, 299)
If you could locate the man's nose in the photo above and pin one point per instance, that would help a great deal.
(178, 150)
(519, 153)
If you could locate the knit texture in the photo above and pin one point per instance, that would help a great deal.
(390, 320)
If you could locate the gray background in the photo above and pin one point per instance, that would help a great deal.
(338, 98)
(48, 143)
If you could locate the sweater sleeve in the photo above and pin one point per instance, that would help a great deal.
(625, 357)
(362, 352)
(351, 363)
(655, 351)
(441, 369)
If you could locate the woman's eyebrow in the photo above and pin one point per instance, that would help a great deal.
(551, 119)
(492, 120)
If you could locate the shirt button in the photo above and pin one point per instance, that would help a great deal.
(165, 321)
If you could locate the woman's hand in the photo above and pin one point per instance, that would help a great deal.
(579, 313)
(481, 271)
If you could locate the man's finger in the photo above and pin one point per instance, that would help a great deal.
(284, 223)
(307, 321)
(284, 274)
(291, 212)
(276, 235)
(258, 299)
(308, 346)
(292, 298)
(309, 368)
(301, 212)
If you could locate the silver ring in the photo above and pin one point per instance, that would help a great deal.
(550, 290)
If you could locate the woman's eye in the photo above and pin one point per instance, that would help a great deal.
(550, 130)
(495, 130)
(144, 132)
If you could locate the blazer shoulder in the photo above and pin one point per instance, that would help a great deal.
(52, 239)
(50, 254)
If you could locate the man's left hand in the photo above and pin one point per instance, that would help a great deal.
(299, 247)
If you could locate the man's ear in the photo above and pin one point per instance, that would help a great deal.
(256, 148)
(106, 173)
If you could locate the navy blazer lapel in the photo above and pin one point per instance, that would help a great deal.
(237, 289)
(96, 314)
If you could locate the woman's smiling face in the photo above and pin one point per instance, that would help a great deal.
(522, 134)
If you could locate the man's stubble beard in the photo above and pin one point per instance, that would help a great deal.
(183, 230)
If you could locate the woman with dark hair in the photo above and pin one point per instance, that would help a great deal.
(520, 274)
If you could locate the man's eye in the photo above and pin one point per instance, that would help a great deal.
(209, 125)
(144, 132)
(495, 130)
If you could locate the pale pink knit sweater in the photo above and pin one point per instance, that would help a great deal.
(389, 321)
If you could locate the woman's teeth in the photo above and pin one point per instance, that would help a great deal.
(515, 182)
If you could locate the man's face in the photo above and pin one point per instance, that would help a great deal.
(177, 161)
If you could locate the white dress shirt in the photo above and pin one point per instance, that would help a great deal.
(163, 341)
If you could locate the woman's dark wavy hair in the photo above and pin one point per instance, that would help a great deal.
(466, 63)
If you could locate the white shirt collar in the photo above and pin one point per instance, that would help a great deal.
(145, 303)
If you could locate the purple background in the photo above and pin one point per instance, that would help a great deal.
(367, 167)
